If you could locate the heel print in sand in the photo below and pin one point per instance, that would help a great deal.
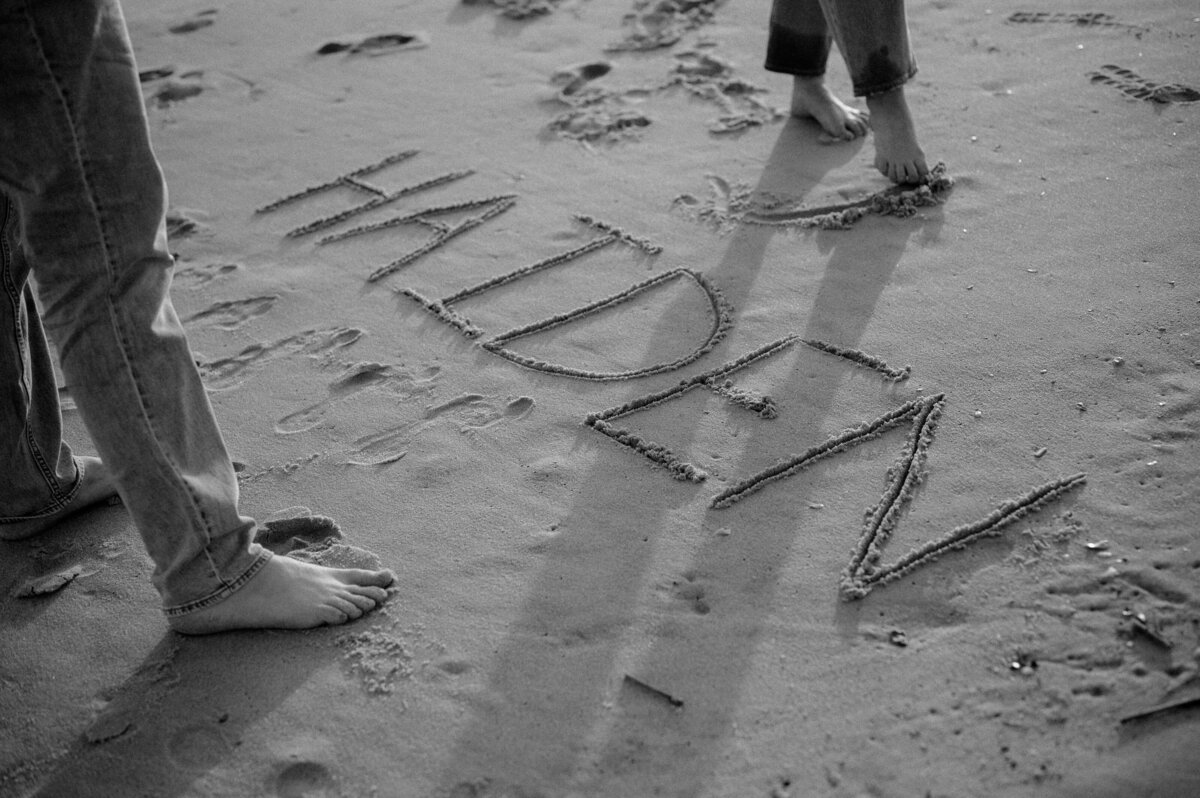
(1134, 85)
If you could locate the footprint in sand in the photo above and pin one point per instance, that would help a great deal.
(472, 411)
(193, 277)
(234, 313)
(378, 44)
(611, 115)
(607, 120)
(571, 80)
(182, 223)
(174, 91)
(384, 447)
(520, 9)
(709, 77)
(45, 585)
(156, 73)
(305, 780)
(1133, 85)
(475, 411)
(656, 25)
(201, 20)
(228, 372)
(360, 377)
(1083, 19)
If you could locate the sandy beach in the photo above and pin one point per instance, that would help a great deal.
(709, 463)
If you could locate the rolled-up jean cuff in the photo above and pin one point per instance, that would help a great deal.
(880, 88)
(792, 52)
(55, 507)
(224, 592)
(772, 66)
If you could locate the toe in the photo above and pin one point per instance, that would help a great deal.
(331, 616)
(361, 577)
(346, 606)
(363, 602)
(377, 595)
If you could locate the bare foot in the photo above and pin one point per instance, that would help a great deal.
(897, 153)
(289, 594)
(840, 122)
(95, 485)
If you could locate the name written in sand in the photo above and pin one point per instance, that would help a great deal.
(864, 570)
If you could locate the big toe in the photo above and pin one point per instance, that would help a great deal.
(361, 576)
(363, 602)
(382, 578)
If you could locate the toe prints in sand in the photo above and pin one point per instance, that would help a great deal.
(1082, 19)
(1134, 85)
(864, 570)
(599, 113)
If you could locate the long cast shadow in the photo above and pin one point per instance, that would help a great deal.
(749, 567)
(544, 715)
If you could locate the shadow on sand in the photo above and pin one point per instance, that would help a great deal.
(546, 716)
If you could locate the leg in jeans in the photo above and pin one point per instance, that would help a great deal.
(42, 481)
(91, 201)
(798, 44)
(872, 36)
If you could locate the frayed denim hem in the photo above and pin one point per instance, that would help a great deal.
(222, 593)
(802, 73)
(56, 507)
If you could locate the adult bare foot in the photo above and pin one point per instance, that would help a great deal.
(290, 594)
(897, 153)
(95, 485)
(838, 121)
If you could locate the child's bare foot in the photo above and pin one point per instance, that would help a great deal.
(838, 121)
(290, 594)
(95, 485)
(897, 153)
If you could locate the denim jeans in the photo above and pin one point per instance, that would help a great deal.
(82, 208)
(872, 36)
